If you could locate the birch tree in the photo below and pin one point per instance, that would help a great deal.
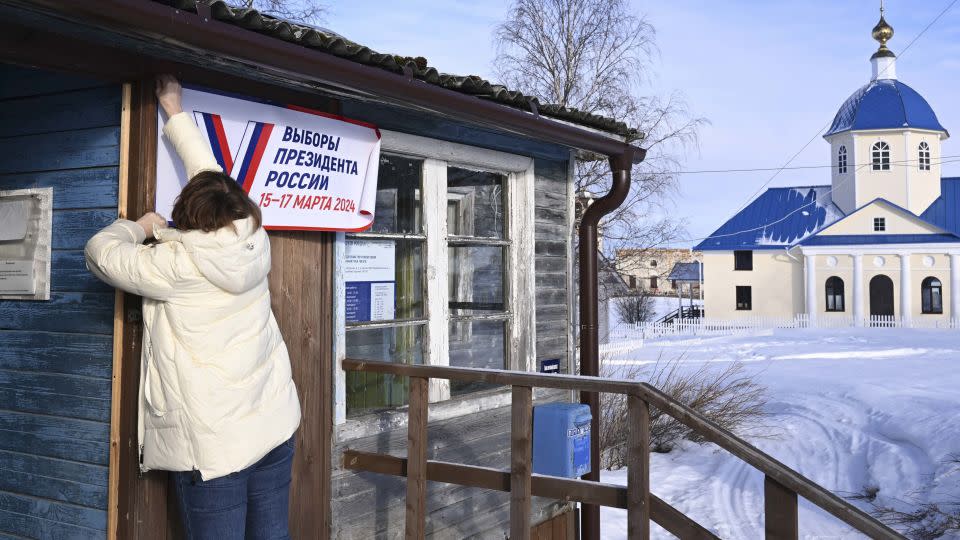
(596, 56)
(303, 11)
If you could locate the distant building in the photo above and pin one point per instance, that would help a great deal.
(883, 239)
(648, 270)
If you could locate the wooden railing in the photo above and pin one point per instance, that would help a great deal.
(782, 485)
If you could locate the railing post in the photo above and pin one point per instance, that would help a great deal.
(416, 519)
(638, 468)
(521, 449)
(780, 507)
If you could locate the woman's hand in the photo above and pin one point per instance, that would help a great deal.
(168, 94)
(149, 220)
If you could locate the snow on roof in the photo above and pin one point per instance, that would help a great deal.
(779, 217)
(884, 104)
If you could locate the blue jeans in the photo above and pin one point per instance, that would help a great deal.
(251, 504)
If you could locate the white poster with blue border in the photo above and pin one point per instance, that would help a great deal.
(370, 276)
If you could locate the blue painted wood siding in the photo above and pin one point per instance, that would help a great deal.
(62, 132)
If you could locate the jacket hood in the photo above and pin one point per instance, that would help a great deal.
(236, 259)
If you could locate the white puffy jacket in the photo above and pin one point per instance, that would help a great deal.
(216, 392)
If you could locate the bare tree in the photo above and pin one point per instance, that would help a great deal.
(634, 309)
(303, 11)
(594, 55)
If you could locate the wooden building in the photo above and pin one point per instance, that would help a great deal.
(475, 199)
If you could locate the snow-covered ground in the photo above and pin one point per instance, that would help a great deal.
(852, 409)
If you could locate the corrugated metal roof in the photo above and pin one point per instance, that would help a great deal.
(329, 42)
(686, 271)
(884, 104)
(862, 239)
(779, 217)
(945, 211)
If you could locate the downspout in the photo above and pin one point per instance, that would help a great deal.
(620, 166)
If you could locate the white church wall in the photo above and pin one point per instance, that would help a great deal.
(841, 266)
(930, 265)
(924, 185)
(896, 221)
(890, 184)
(844, 192)
(776, 281)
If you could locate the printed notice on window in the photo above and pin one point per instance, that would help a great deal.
(370, 275)
(16, 277)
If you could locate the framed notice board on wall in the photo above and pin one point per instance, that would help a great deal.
(26, 222)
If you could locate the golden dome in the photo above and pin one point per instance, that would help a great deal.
(882, 32)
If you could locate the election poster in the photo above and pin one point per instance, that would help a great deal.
(307, 170)
(370, 274)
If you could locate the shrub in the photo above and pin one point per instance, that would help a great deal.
(725, 394)
(634, 309)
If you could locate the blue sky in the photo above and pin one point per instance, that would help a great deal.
(767, 75)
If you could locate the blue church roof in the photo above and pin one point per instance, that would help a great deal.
(778, 218)
(945, 211)
(885, 104)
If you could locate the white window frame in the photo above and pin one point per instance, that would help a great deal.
(842, 160)
(519, 286)
(923, 150)
(879, 147)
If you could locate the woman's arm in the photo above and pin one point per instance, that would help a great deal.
(118, 257)
(182, 131)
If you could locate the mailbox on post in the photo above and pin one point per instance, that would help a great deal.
(561, 439)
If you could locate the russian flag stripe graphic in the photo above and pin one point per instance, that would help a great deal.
(253, 154)
(213, 126)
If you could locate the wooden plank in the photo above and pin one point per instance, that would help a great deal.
(51, 352)
(638, 469)
(116, 390)
(82, 473)
(17, 82)
(416, 470)
(73, 188)
(68, 273)
(74, 227)
(521, 449)
(43, 444)
(55, 383)
(96, 147)
(66, 111)
(781, 521)
(88, 313)
(54, 404)
(46, 487)
(30, 527)
(562, 489)
(91, 518)
(64, 428)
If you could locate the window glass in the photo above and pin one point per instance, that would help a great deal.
(924, 156)
(842, 160)
(653, 282)
(931, 296)
(881, 156)
(477, 344)
(744, 298)
(398, 196)
(476, 279)
(475, 203)
(879, 224)
(834, 293)
(743, 260)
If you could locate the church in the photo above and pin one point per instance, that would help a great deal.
(880, 243)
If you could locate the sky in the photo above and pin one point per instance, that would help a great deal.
(768, 76)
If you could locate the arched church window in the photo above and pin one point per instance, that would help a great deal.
(924, 156)
(842, 160)
(931, 295)
(881, 156)
(834, 294)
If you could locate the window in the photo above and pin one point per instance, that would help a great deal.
(881, 156)
(453, 223)
(842, 160)
(834, 294)
(879, 224)
(653, 264)
(653, 282)
(924, 156)
(633, 282)
(931, 296)
(743, 260)
(744, 298)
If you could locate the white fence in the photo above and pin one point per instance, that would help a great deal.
(747, 325)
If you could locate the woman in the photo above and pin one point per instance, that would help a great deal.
(217, 402)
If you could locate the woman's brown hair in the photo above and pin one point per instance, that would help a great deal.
(211, 201)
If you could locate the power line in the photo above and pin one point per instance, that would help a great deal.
(899, 163)
(830, 191)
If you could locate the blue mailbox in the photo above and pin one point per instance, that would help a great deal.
(561, 439)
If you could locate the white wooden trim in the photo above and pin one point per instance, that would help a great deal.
(883, 249)
(436, 262)
(339, 330)
(522, 281)
(394, 142)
